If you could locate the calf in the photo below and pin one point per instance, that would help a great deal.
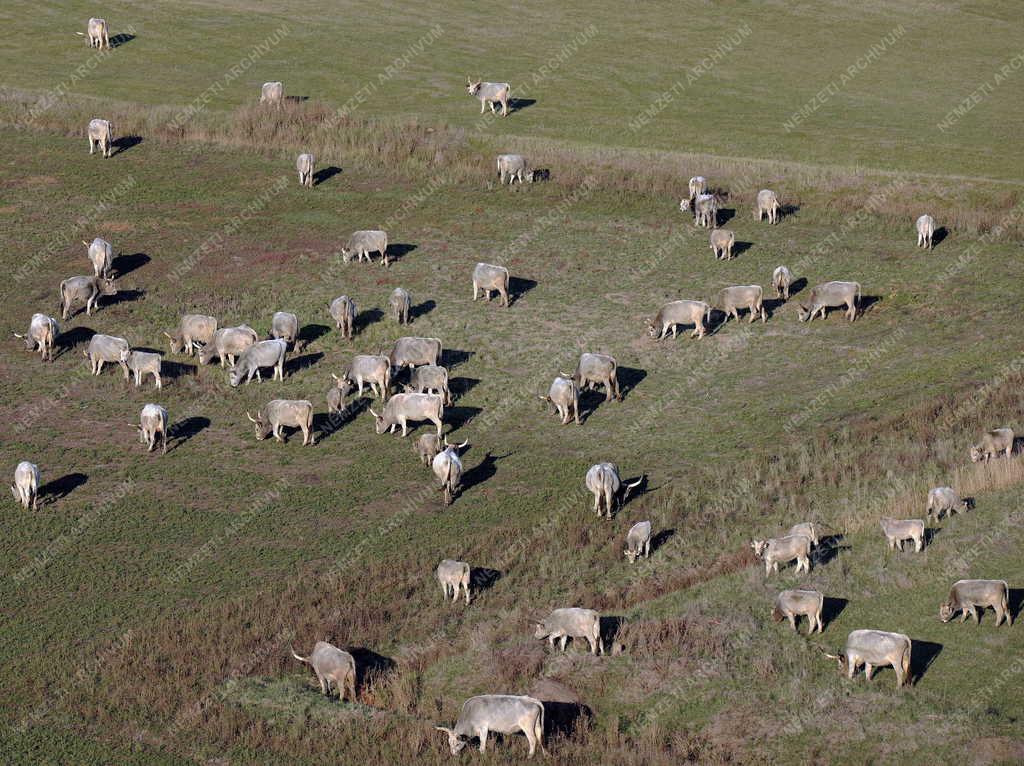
(101, 256)
(638, 541)
(698, 185)
(285, 326)
(898, 530)
(362, 243)
(272, 93)
(101, 136)
(265, 353)
(400, 302)
(371, 370)
(781, 550)
(768, 205)
(153, 423)
(966, 595)
(925, 231)
(832, 295)
(193, 330)
(26, 485)
(278, 413)
(427, 447)
(41, 336)
(228, 343)
(143, 363)
(332, 665)
(304, 165)
(807, 528)
(790, 604)
(572, 623)
(513, 167)
(430, 379)
(453, 575)
(96, 32)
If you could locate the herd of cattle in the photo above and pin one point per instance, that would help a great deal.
(427, 393)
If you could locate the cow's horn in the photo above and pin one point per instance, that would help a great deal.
(335, 377)
(16, 335)
(168, 335)
(464, 444)
(250, 416)
(373, 413)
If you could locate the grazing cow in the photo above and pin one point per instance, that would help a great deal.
(142, 363)
(498, 713)
(767, 205)
(430, 379)
(565, 397)
(704, 207)
(75, 290)
(285, 326)
(227, 344)
(192, 330)
(401, 408)
(782, 279)
(305, 164)
(722, 242)
(491, 93)
(106, 348)
(153, 422)
(513, 167)
(698, 186)
(782, 550)
(605, 484)
(875, 648)
(453, 575)
(343, 310)
(447, 467)
(272, 93)
(832, 295)
(898, 530)
(332, 665)
(732, 299)
(966, 595)
(26, 485)
(101, 256)
(265, 353)
(400, 302)
(638, 541)
(676, 313)
(807, 528)
(427, 446)
(992, 443)
(944, 499)
(373, 371)
(96, 32)
(409, 352)
(101, 135)
(487, 278)
(41, 336)
(925, 231)
(790, 604)
(597, 369)
(335, 399)
(362, 243)
(294, 413)
(574, 623)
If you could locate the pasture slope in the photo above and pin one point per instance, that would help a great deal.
(149, 605)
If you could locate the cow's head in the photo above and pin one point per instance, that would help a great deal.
(976, 453)
(380, 425)
(804, 314)
(126, 354)
(627, 488)
(651, 329)
(631, 555)
(346, 254)
(759, 547)
(30, 344)
(343, 384)
(777, 614)
(176, 341)
(840, 658)
(261, 425)
(235, 376)
(685, 206)
(472, 87)
(455, 742)
(541, 631)
(108, 286)
(946, 612)
(455, 447)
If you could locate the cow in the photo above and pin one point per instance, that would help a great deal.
(400, 302)
(373, 371)
(732, 299)
(597, 369)
(925, 231)
(944, 499)
(704, 207)
(272, 93)
(41, 336)
(101, 256)
(304, 165)
(343, 310)
(488, 278)
(998, 440)
(430, 379)
(192, 330)
(874, 648)
(153, 422)
(768, 205)
(143, 363)
(722, 242)
(574, 623)
(265, 353)
(88, 289)
(677, 313)
(26, 485)
(453, 575)
(698, 185)
(832, 295)
(513, 167)
(605, 484)
(101, 136)
(447, 467)
(401, 408)
(228, 343)
(97, 34)
(898, 530)
(790, 604)
(966, 595)
(782, 550)
(498, 713)
(489, 93)
(427, 446)
(782, 279)
(332, 665)
(335, 399)
(565, 397)
(362, 243)
(409, 352)
(638, 541)
(106, 348)
(285, 326)
(294, 413)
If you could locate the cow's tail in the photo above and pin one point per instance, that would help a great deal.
(63, 298)
(297, 656)
(538, 729)
(597, 636)
(1005, 601)
(858, 295)
(905, 664)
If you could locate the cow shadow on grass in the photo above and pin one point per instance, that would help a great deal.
(518, 287)
(453, 357)
(662, 537)
(366, 318)
(785, 211)
(515, 104)
(827, 549)
(124, 143)
(60, 488)
(299, 363)
(482, 471)
(1016, 601)
(939, 235)
(323, 175)
(739, 247)
(126, 264)
(184, 430)
(421, 309)
(295, 99)
(771, 305)
(123, 296)
(723, 216)
(866, 303)
(590, 401)
(457, 417)
(369, 665)
(482, 578)
(797, 286)
(121, 38)
(462, 386)
(326, 424)
(76, 336)
(398, 250)
(629, 379)
(832, 608)
(922, 655)
(176, 370)
(610, 628)
(930, 533)
(310, 333)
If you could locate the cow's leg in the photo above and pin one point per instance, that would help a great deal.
(792, 620)
(475, 289)
(564, 641)
(483, 738)
(92, 147)
(405, 428)
(483, 106)
(504, 296)
(868, 670)
(674, 329)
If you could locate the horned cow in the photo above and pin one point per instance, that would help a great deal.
(781, 550)
(898, 530)
(228, 343)
(41, 336)
(782, 279)
(343, 310)
(447, 467)
(101, 256)
(832, 295)
(332, 665)
(265, 353)
(193, 330)
(101, 136)
(26, 485)
(593, 370)
(967, 595)
(362, 243)
(791, 604)
(278, 413)
(925, 231)
(272, 93)
(994, 442)
(401, 408)
(487, 279)
(565, 397)
(732, 299)
(453, 575)
(768, 205)
(874, 648)
(574, 623)
(498, 713)
(489, 94)
(400, 303)
(153, 423)
(605, 484)
(106, 348)
(304, 165)
(74, 290)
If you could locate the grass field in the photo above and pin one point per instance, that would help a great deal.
(149, 605)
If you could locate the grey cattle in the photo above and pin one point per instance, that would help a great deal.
(722, 242)
(565, 397)
(998, 440)
(489, 93)
(966, 595)
(447, 467)
(227, 344)
(362, 243)
(513, 167)
(832, 295)
(400, 302)
(790, 604)
(41, 336)
(26, 484)
(597, 369)
(488, 278)
(143, 363)
(698, 185)
(285, 326)
(572, 622)
(335, 399)
(638, 541)
(807, 528)
(875, 648)
(101, 256)
(704, 207)
(782, 279)
(427, 446)
(453, 575)
(732, 299)
(101, 136)
(367, 369)
(781, 550)
(192, 330)
(401, 408)
(430, 379)
(265, 353)
(498, 713)
(332, 665)
(305, 165)
(767, 205)
(106, 348)
(97, 34)
(605, 484)
(409, 352)
(272, 93)
(343, 310)
(898, 530)
(677, 313)
(944, 500)
(153, 423)
(87, 290)
(925, 231)
(278, 413)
